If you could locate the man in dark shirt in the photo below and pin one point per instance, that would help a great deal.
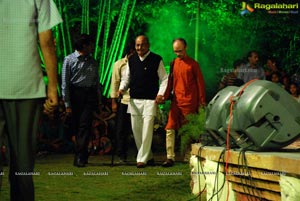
(81, 93)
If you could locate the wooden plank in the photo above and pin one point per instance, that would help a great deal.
(283, 162)
(262, 184)
(269, 195)
(245, 197)
(254, 172)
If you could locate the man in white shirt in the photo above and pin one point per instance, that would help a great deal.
(120, 105)
(145, 70)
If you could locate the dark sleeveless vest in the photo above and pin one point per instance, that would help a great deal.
(144, 80)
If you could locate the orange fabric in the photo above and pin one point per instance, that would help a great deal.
(189, 91)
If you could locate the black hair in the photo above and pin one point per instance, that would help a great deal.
(237, 63)
(296, 85)
(293, 83)
(129, 48)
(81, 41)
(272, 59)
(276, 73)
(249, 54)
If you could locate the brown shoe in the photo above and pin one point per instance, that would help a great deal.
(140, 165)
(168, 163)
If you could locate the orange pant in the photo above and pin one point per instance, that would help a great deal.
(177, 115)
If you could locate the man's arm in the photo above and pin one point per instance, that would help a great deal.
(262, 74)
(49, 54)
(200, 84)
(124, 85)
(115, 84)
(65, 82)
(163, 78)
(115, 79)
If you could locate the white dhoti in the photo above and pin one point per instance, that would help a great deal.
(143, 113)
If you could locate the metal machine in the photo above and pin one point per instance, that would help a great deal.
(217, 112)
(264, 116)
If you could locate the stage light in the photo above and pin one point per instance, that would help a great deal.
(264, 116)
(216, 113)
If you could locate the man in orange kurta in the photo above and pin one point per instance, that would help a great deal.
(189, 94)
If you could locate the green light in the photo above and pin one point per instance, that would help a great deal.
(115, 45)
(85, 22)
(99, 24)
(113, 51)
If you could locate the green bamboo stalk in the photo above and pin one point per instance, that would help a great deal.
(88, 17)
(99, 28)
(115, 45)
(61, 28)
(105, 39)
(68, 43)
(115, 40)
(120, 42)
(85, 16)
(126, 29)
(82, 16)
(120, 31)
(197, 31)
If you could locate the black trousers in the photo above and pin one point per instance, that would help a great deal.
(84, 102)
(123, 130)
(19, 120)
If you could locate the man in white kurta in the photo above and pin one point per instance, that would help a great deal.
(145, 70)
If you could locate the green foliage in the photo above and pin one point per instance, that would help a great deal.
(191, 131)
(223, 34)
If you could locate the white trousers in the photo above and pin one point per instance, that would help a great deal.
(143, 113)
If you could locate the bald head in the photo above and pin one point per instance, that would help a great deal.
(179, 47)
(142, 45)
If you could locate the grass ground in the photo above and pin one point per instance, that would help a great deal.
(119, 182)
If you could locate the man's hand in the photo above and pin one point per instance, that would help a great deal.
(160, 99)
(120, 93)
(68, 111)
(114, 105)
(51, 102)
(49, 53)
(67, 114)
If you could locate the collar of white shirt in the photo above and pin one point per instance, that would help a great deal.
(145, 56)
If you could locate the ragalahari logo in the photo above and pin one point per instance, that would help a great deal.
(246, 8)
